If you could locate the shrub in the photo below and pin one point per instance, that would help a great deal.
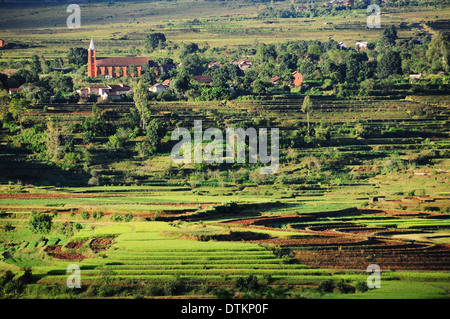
(106, 291)
(93, 181)
(92, 291)
(128, 217)
(344, 288)
(170, 287)
(249, 283)
(40, 223)
(85, 214)
(97, 215)
(326, 286)
(65, 229)
(116, 217)
(361, 286)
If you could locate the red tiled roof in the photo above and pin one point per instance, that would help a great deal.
(202, 78)
(97, 86)
(275, 78)
(122, 61)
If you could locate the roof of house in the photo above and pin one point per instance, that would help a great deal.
(97, 86)
(275, 78)
(168, 66)
(122, 61)
(202, 78)
(157, 85)
(119, 87)
(166, 82)
(20, 88)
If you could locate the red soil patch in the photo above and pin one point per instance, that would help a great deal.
(53, 248)
(411, 257)
(74, 245)
(251, 221)
(100, 244)
(55, 252)
(32, 196)
(309, 241)
(69, 256)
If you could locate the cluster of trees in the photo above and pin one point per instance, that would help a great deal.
(325, 66)
(318, 9)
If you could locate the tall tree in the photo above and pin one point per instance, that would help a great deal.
(307, 108)
(389, 63)
(17, 107)
(354, 63)
(439, 49)
(141, 102)
(35, 65)
(181, 83)
(154, 40)
(78, 56)
(389, 36)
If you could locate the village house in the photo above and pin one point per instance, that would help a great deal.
(243, 64)
(112, 91)
(215, 64)
(298, 79)
(361, 46)
(339, 3)
(167, 67)
(413, 77)
(203, 79)
(275, 80)
(342, 46)
(17, 90)
(158, 88)
(2, 43)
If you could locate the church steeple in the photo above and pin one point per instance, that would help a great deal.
(92, 46)
(92, 57)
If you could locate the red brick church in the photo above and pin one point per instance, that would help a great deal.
(116, 67)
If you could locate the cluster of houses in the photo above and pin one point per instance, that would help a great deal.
(106, 92)
(132, 66)
(339, 3)
(309, 5)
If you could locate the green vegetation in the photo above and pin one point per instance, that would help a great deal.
(364, 152)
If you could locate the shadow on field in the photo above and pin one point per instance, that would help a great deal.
(15, 166)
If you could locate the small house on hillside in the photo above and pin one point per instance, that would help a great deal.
(361, 46)
(158, 88)
(112, 91)
(17, 90)
(167, 67)
(275, 80)
(203, 79)
(2, 43)
(298, 79)
(415, 76)
(342, 46)
(243, 64)
(214, 64)
(91, 90)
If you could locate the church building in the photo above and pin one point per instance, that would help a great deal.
(115, 67)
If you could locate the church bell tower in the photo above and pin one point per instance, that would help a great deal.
(92, 55)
